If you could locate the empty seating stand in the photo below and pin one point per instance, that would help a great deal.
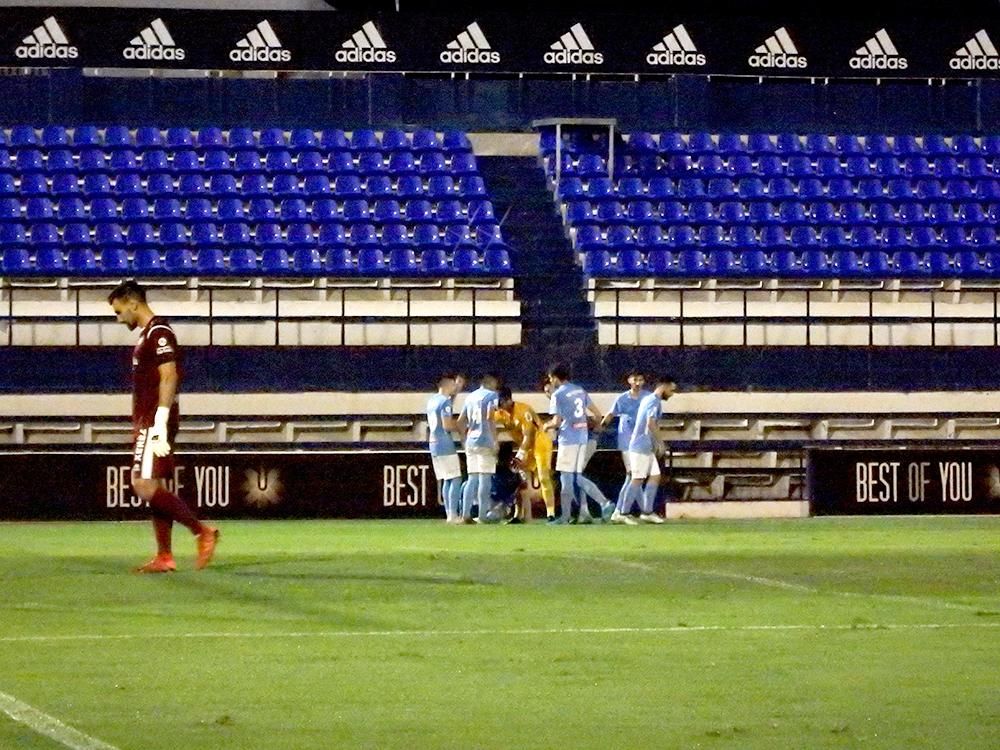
(784, 205)
(87, 201)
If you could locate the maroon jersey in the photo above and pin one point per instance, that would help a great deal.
(157, 345)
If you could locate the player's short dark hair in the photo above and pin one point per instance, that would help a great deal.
(560, 370)
(490, 377)
(633, 371)
(664, 378)
(447, 375)
(128, 289)
(504, 394)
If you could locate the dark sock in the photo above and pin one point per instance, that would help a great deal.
(162, 527)
(171, 506)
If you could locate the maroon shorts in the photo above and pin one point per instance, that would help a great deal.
(147, 466)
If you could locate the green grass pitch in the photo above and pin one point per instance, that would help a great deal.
(815, 633)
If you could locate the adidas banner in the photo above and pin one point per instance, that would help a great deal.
(908, 46)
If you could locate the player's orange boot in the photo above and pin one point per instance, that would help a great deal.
(162, 563)
(207, 540)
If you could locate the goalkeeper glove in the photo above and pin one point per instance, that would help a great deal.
(158, 434)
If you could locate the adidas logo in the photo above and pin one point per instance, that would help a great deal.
(154, 43)
(365, 45)
(879, 53)
(777, 51)
(573, 48)
(676, 49)
(470, 46)
(976, 54)
(47, 41)
(260, 45)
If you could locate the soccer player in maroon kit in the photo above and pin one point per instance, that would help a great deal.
(156, 376)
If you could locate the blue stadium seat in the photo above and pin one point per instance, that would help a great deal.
(723, 262)
(114, 260)
(386, 211)
(356, 211)
(958, 190)
(363, 236)
(487, 235)
(223, 186)
(192, 185)
(140, 235)
(945, 168)
(760, 143)
(348, 186)
(278, 162)
(180, 137)
(63, 186)
(741, 165)
(54, 136)
(217, 162)
(773, 236)
(938, 264)
(751, 189)
(721, 188)
(338, 261)
(968, 265)
(173, 234)
(588, 237)
(76, 235)
(208, 138)
(804, 237)
(268, 235)
(630, 262)
(700, 142)
(39, 209)
(81, 261)
(788, 143)
(204, 234)
(650, 236)
(954, 237)
(364, 140)
(711, 165)
(45, 235)
(914, 167)
(33, 185)
(371, 261)
(910, 264)
(451, 141)
(210, 260)
(285, 186)
(242, 139)
(247, 162)
(158, 185)
(818, 144)
(611, 212)
(185, 161)
(49, 260)
(936, 145)
(272, 139)
(334, 139)
(458, 235)
(978, 167)
(324, 211)
(151, 161)
(732, 213)
(262, 209)
(815, 263)
(9, 189)
(300, 235)
(22, 136)
(243, 261)
(659, 261)
(235, 233)
(661, 188)
(147, 137)
(672, 212)
(59, 161)
(380, 186)
(442, 186)
(428, 237)
(596, 262)
(86, 136)
(785, 263)
(10, 209)
(304, 139)
(16, 261)
(295, 209)
(799, 165)
(198, 210)
(755, 263)
(129, 186)
(641, 143)
(730, 144)
(906, 145)
(641, 212)
(341, 163)
(481, 212)
(780, 188)
(147, 261)
(332, 234)
(984, 237)
(711, 237)
(964, 145)
(179, 261)
(395, 236)
(402, 163)
(847, 264)
(496, 260)
(463, 164)
(108, 235)
(672, 143)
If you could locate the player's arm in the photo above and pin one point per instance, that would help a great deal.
(598, 416)
(166, 394)
(653, 423)
(462, 423)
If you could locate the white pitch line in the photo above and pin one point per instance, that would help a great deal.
(49, 726)
(791, 586)
(666, 629)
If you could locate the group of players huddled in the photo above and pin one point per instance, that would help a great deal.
(575, 422)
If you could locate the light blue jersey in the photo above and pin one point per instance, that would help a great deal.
(651, 407)
(479, 408)
(439, 439)
(625, 407)
(570, 402)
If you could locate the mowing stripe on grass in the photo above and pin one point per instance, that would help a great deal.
(49, 726)
(666, 629)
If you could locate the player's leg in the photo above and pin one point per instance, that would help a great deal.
(566, 464)
(649, 493)
(469, 494)
(620, 505)
(543, 468)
